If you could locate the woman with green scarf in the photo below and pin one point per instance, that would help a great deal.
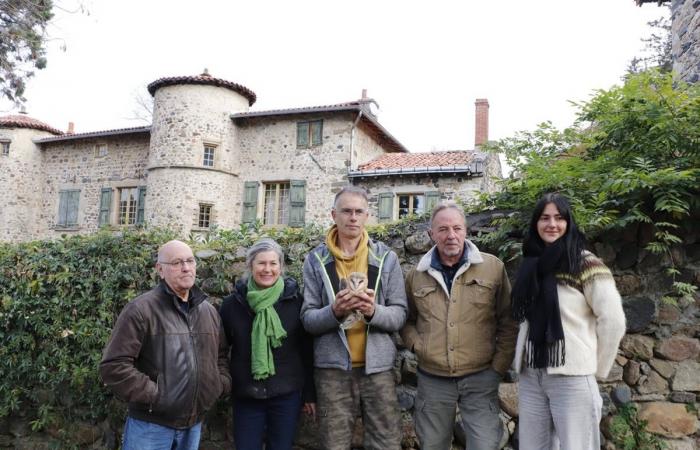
(270, 354)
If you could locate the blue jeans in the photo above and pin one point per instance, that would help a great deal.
(140, 435)
(274, 419)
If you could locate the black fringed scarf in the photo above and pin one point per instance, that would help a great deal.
(535, 298)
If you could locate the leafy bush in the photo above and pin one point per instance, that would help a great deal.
(631, 157)
(58, 301)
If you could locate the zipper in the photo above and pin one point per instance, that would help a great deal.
(196, 364)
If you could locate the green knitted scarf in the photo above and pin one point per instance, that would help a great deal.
(267, 328)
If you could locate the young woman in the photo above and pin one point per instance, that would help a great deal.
(271, 356)
(571, 325)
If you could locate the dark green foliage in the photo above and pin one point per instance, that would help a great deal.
(629, 431)
(58, 301)
(631, 157)
(22, 41)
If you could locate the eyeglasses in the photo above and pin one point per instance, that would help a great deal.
(189, 262)
(350, 211)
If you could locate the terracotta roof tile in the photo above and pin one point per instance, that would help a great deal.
(205, 79)
(415, 160)
(24, 121)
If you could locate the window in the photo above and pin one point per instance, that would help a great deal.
(208, 160)
(276, 204)
(101, 150)
(411, 204)
(128, 202)
(68, 203)
(408, 204)
(204, 215)
(309, 133)
(284, 202)
(5, 148)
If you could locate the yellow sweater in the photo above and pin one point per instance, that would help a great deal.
(344, 266)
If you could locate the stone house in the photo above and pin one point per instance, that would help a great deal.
(208, 160)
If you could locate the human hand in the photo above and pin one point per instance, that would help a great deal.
(309, 409)
(366, 305)
(345, 302)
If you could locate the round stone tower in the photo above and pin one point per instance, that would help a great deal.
(192, 168)
(21, 177)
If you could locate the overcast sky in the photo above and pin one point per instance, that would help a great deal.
(424, 62)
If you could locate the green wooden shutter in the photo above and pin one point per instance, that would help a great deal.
(141, 205)
(317, 132)
(297, 202)
(386, 206)
(62, 207)
(250, 201)
(302, 134)
(105, 206)
(72, 207)
(431, 201)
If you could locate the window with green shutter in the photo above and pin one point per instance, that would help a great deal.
(302, 134)
(386, 206)
(140, 212)
(431, 201)
(297, 200)
(250, 201)
(105, 206)
(68, 204)
(309, 133)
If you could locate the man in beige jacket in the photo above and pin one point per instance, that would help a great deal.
(460, 328)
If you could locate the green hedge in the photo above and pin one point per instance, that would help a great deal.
(59, 300)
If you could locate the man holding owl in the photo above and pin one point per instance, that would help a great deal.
(354, 299)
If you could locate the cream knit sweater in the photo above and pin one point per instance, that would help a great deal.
(592, 318)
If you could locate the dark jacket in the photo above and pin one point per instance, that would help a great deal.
(170, 366)
(293, 359)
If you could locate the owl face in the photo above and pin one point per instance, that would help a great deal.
(357, 282)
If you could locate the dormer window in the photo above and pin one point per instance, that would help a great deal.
(208, 159)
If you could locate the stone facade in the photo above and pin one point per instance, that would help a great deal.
(21, 180)
(685, 32)
(79, 165)
(195, 167)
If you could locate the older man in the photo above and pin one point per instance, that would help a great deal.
(460, 328)
(354, 300)
(166, 359)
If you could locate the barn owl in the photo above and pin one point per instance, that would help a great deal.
(357, 283)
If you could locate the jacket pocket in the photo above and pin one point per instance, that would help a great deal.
(479, 292)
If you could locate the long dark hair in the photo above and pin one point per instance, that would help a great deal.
(574, 240)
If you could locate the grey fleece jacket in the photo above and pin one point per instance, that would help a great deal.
(330, 344)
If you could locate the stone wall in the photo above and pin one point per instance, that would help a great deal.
(185, 118)
(21, 183)
(78, 165)
(269, 153)
(365, 148)
(685, 32)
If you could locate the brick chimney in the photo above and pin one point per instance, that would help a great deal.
(481, 122)
(71, 128)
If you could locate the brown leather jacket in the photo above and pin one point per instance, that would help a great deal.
(170, 366)
(468, 331)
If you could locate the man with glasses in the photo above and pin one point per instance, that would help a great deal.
(354, 299)
(166, 357)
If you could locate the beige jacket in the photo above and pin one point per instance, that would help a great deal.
(467, 330)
